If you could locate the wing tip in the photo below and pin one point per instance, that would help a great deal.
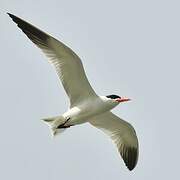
(130, 157)
(16, 19)
(11, 16)
(8, 13)
(31, 31)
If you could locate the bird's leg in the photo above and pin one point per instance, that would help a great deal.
(64, 124)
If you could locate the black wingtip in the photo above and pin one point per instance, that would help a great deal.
(130, 156)
(11, 15)
(130, 168)
(31, 31)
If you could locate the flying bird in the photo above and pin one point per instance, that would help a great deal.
(85, 104)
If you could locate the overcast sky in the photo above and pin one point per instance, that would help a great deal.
(130, 48)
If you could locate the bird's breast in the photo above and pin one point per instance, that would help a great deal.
(85, 111)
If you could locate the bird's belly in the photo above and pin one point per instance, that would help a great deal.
(75, 116)
(79, 118)
(82, 114)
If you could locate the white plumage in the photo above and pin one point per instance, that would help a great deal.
(85, 104)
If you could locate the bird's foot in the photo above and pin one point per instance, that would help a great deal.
(64, 124)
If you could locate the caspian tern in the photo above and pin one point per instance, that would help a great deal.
(85, 104)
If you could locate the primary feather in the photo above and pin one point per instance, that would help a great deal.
(67, 64)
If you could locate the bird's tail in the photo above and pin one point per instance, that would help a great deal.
(54, 123)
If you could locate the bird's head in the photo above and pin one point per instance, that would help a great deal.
(117, 99)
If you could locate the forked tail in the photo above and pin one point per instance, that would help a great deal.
(54, 123)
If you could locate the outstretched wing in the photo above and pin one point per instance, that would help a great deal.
(122, 134)
(67, 64)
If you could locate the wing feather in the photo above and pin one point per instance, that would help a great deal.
(122, 134)
(68, 65)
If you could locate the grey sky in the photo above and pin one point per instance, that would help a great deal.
(129, 48)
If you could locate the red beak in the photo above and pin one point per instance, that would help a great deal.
(122, 99)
